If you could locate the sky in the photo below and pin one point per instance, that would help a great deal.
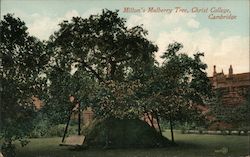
(224, 42)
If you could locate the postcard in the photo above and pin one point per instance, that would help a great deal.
(125, 78)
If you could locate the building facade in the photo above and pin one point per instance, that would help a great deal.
(232, 87)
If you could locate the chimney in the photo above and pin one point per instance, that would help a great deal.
(214, 70)
(230, 71)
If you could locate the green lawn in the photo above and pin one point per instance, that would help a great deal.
(189, 145)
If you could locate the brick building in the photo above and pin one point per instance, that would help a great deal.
(233, 87)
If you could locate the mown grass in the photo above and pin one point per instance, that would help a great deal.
(188, 145)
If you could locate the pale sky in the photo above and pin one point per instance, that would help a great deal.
(225, 42)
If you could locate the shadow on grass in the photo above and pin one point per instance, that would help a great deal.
(186, 145)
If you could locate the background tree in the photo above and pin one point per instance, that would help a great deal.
(175, 89)
(242, 114)
(23, 60)
(236, 117)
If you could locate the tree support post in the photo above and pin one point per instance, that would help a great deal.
(79, 119)
(67, 125)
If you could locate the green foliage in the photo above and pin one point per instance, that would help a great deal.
(177, 86)
(179, 125)
(52, 130)
(102, 45)
(62, 85)
(42, 125)
(123, 133)
(45, 127)
(8, 149)
(56, 130)
(238, 116)
(23, 61)
(242, 113)
(185, 76)
(116, 99)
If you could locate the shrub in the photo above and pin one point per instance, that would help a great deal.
(8, 149)
(44, 128)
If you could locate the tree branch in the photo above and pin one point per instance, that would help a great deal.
(92, 71)
(123, 59)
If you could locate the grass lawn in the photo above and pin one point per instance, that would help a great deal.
(188, 145)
